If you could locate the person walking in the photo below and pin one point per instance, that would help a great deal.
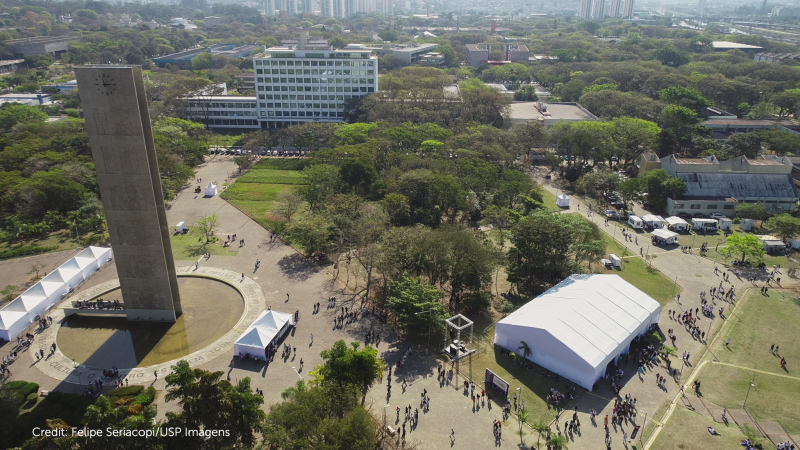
(312, 338)
(452, 436)
(155, 374)
(287, 296)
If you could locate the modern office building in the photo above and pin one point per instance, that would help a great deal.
(295, 84)
(51, 45)
(478, 54)
(409, 54)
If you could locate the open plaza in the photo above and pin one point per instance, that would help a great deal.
(593, 374)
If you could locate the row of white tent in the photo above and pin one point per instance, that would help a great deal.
(22, 311)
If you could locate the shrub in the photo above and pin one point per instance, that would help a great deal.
(135, 409)
(127, 391)
(54, 397)
(25, 251)
(124, 401)
(31, 398)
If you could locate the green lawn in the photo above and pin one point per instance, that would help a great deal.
(758, 323)
(535, 386)
(689, 430)
(550, 201)
(64, 239)
(255, 192)
(192, 245)
(772, 398)
(637, 273)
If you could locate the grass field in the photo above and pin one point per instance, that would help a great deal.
(689, 430)
(255, 192)
(192, 245)
(772, 398)
(550, 201)
(637, 273)
(64, 239)
(759, 323)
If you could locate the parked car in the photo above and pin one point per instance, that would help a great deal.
(684, 215)
(716, 215)
(611, 214)
(699, 216)
(617, 204)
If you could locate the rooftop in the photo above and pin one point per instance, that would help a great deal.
(524, 111)
(740, 186)
(734, 45)
(745, 122)
(477, 47)
(692, 161)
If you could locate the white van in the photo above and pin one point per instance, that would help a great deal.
(635, 221)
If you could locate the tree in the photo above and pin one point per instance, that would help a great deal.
(36, 267)
(207, 225)
(417, 306)
(746, 245)
(358, 174)
(288, 203)
(524, 349)
(541, 429)
(634, 137)
(784, 226)
(684, 96)
(397, 206)
(9, 292)
(755, 211)
(322, 183)
(629, 189)
(351, 367)
(680, 120)
(542, 243)
(14, 113)
(742, 144)
(668, 55)
(211, 403)
(660, 186)
(522, 417)
(313, 232)
(666, 351)
(242, 162)
(558, 443)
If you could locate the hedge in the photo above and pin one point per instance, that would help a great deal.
(126, 391)
(25, 251)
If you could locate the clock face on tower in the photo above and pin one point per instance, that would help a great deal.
(105, 84)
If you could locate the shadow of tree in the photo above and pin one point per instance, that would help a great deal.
(297, 267)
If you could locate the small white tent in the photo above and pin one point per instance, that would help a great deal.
(268, 327)
(562, 201)
(666, 236)
(677, 224)
(653, 221)
(581, 325)
(211, 190)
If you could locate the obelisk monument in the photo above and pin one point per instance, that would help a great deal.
(121, 138)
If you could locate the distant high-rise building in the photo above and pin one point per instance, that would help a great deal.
(703, 4)
(269, 7)
(616, 8)
(586, 10)
(307, 6)
(627, 9)
(597, 9)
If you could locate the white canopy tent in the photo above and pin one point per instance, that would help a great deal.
(708, 224)
(40, 297)
(653, 220)
(268, 327)
(211, 190)
(677, 224)
(579, 326)
(562, 201)
(668, 237)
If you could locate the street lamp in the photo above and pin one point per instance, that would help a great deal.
(298, 373)
(752, 385)
(520, 396)
(643, 426)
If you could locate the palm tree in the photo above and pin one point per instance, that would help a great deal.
(524, 349)
(666, 351)
(558, 443)
(522, 417)
(541, 429)
(292, 392)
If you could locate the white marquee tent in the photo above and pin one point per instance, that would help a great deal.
(562, 201)
(677, 224)
(211, 190)
(269, 326)
(40, 297)
(653, 220)
(669, 237)
(579, 326)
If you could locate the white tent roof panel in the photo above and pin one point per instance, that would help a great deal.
(664, 234)
(675, 220)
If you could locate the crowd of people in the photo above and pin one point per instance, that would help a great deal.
(99, 304)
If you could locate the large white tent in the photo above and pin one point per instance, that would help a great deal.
(17, 315)
(268, 327)
(668, 237)
(579, 326)
(677, 224)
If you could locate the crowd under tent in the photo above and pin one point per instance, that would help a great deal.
(268, 328)
(39, 298)
(653, 221)
(562, 201)
(580, 326)
(665, 236)
(675, 223)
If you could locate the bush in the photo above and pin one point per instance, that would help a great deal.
(54, 397)
(476, 301)
(127, 391)
(31, 397)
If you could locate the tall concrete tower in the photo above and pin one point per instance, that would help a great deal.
(124, 155)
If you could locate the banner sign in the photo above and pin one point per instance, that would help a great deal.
(496, 382)
(635, 431)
